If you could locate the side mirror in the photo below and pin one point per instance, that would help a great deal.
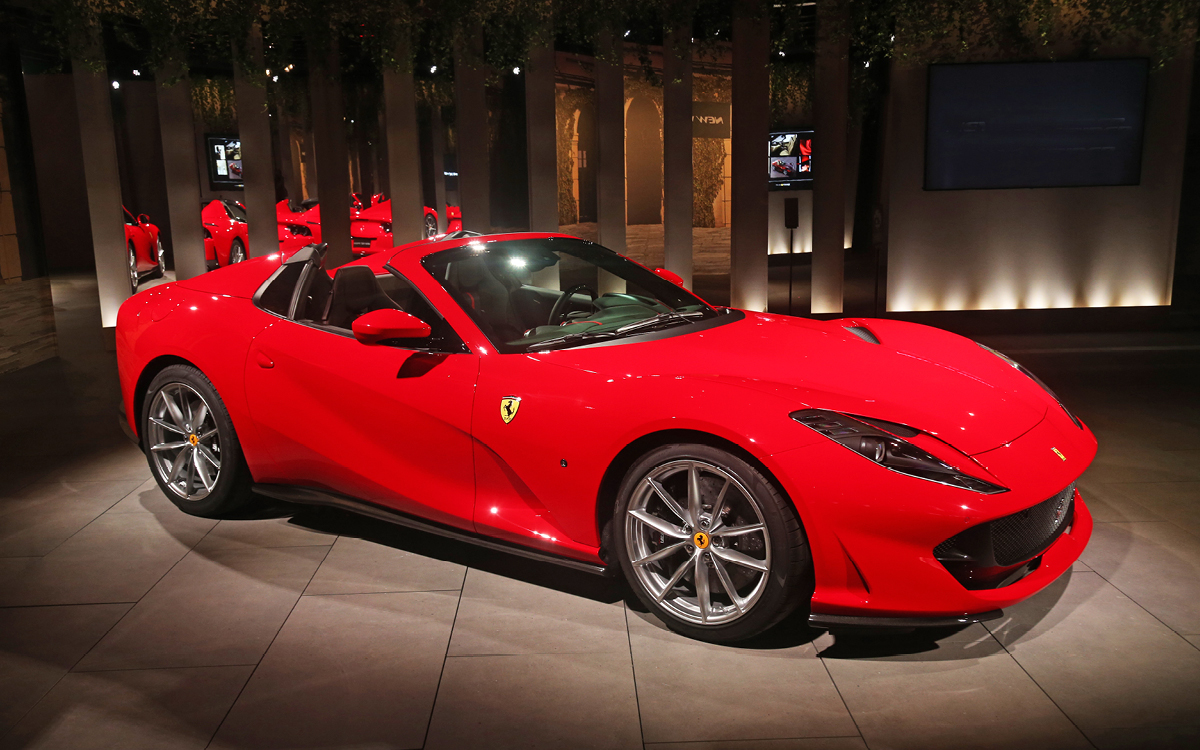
(381, 325)
(143, 219)
(670, 276)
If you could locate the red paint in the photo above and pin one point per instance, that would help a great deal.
(224, 223)
(143, 236)
(423, 433)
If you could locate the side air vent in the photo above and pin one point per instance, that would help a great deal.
(863, 333)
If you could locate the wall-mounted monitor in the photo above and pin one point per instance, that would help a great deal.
(789, 160)
(224, 156)
(1033, 125)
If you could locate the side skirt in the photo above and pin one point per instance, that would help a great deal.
(310, 496)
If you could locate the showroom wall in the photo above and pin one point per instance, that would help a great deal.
(1035, 248)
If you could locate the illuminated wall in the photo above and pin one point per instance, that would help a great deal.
(1039, 248)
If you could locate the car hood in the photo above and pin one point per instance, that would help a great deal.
(926, 378)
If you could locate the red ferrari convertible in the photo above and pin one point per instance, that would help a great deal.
(144, 247)
(225, 233)
(542, 395)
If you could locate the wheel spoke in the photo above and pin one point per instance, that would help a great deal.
(737, 558)
(703, 595)
(718, 506)
(725, 531)
(168, 446)
(201, 414)
(202, 471)
(673, 580)
(173, 408)
(177, 466)
(694, 492)
(670, 501)
(660, 554)
(191, 475)
(168, 426)
(207, 455)
(727, 584)
(207, 435)
(663, 527)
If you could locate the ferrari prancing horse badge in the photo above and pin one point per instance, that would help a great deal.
(508, 408)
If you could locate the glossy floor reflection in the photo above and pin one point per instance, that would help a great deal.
(125, 623)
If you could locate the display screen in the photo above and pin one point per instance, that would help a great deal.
(1027, 125)
(224, 161)
(789, 160)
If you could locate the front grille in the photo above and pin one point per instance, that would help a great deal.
(1022, 535)
(999, 552)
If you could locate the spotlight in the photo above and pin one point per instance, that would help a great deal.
(137, 72)
(116, 84)
(432, 68)
(516, 71)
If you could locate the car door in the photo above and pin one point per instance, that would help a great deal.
(385, 424)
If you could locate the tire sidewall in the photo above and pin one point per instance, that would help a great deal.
(774, 601)
(232, 486)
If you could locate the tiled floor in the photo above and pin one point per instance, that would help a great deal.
(125, 623)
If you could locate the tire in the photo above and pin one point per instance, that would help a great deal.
(133, 272)
(769, 569)
(237, 252)
(431, 226)
(159, 254)
(176, 449)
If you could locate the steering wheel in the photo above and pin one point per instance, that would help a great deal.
(560, 305)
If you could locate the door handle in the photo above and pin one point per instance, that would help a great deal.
(264, 361)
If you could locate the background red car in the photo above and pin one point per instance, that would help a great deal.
(370, 223)
(225, 233)
(144, 247)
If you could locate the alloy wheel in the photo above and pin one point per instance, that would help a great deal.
(698, 542)
(185, 446)
(133, 272)
(431, 227)
(161, 253)
(237, 254)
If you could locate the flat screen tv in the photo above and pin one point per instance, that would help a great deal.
(789, 160)
(1034, 125)
(224, 156)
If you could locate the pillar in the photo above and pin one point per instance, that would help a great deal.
(677, 152)
(333, 156)
(751, 127)
(403, 155)
(471, 119)
(254, 129)
(541, 139)
(182, 175)
(830, 114)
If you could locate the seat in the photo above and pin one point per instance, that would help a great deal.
(355, 293)
(488, 297)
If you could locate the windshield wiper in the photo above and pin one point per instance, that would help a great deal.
(660, 320)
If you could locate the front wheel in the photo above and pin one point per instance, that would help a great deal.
(431, 227)
(237, 252)
(709, 544)
(133, 271)
(191, 445)
(159, 256)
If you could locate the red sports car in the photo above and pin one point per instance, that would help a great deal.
(225, 233)
(370, 224)
(144, 247)
(540, 394)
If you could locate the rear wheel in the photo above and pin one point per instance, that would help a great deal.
(133, 272)
(431, 228)
(190, 443)
(708, 544)
(237, 252)
(159, 254)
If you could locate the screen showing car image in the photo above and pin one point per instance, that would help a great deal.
(789, 160)
(224, 161)
(1027, 125)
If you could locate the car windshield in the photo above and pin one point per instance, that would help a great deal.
(558, 292)
(234, 210)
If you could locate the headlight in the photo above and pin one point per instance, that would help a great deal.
(1035, 379)
(889, 451)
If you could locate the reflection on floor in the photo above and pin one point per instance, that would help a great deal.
(126, 623)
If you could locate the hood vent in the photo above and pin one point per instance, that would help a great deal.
(863, 333)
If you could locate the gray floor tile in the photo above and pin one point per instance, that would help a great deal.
(132, 534)
(68, 493)
(811, 743)
(157, 709)
(729, 692)
(1108, 503)
(1155, 564)
(500, 615)
(1193, 639)
(1125, 679)
(216, 609)
(359, 566)
(119, 460)
(347, 671)
(961, 695)
(1177, 502)
(532, 701)
(44, 515)
(262, 532)
(30, 581)
(1122, 458)
(147, 497)
(38, 645)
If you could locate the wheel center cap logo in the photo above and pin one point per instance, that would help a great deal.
(700, 539)
(193, 440)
